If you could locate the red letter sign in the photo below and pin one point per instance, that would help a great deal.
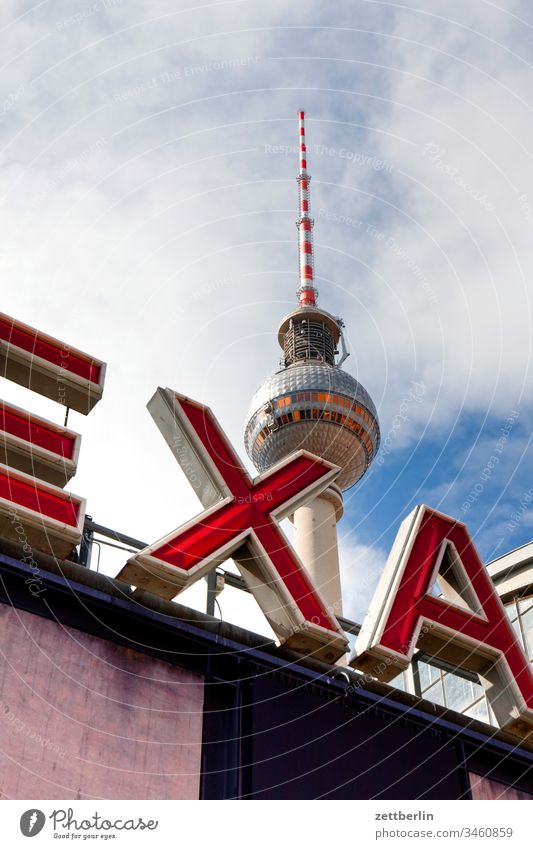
(50, 367)
(240, 521)
(38, 457)
(468, 627)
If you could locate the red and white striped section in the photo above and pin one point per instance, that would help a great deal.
(307, 292)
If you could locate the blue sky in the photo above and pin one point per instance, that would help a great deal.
(148, 217)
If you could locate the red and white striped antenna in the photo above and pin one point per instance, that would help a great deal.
(307, 293)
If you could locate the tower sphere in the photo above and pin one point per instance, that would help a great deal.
(312, 403)
(315, 405)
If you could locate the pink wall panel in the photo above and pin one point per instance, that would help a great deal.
(83, 718)
(487, 788)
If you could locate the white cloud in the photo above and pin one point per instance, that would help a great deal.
(361, 567)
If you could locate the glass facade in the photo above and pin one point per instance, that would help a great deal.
(461, 692)
(455, 691)
(521, 615)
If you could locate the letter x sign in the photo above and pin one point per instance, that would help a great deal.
(240, 520)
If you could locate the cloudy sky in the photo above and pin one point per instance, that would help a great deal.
(147, 164)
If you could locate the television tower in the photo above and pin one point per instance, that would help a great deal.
(312, 404)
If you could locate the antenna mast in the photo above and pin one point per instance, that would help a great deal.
(307, 294)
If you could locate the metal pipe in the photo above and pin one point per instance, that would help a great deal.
(108, 532)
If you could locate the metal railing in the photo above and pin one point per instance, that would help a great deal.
(130, 544)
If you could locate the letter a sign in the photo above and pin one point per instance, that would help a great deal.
(466, 625)
(240, 520)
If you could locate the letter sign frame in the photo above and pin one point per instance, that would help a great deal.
(240, 520)
(467, 626)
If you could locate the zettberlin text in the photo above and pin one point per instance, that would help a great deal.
(399, 815)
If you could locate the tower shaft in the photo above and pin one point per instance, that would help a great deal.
(315, 540)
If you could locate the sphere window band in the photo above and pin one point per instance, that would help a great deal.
(324, 398)
(318, 414)
(321, 414)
